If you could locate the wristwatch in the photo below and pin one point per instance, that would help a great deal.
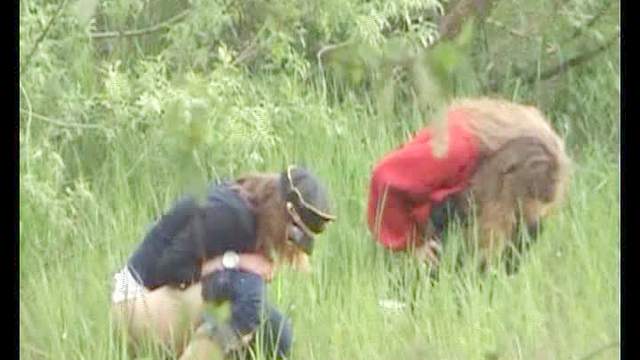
(230, 260)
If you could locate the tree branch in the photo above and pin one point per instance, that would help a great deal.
(43, 34)
(139, 32)
(574, 61)
(329, 48)
(451, 23)
(511, 31)
(592, 21)
(250, 51)
(63, 123)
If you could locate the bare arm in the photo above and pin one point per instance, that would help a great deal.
(250, 262)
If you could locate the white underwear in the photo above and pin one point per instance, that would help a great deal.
(126, 286)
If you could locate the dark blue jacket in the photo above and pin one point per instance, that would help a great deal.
(173, 251)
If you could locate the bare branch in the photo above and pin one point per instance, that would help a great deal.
(130, 33)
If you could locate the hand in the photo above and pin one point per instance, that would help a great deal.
(429, 252)
(257, 264)
(250, 262)
(301, 262)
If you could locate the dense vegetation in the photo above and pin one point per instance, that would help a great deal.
(127, 103)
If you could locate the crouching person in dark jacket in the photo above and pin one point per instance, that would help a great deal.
(224, 249)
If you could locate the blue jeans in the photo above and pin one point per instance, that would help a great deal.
(249, 309)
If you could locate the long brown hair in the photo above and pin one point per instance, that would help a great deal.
(263, 192)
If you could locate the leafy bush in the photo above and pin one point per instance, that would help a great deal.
(124, 103)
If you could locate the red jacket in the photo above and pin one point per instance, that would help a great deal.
(415, 180)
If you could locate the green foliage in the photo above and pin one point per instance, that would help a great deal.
(113, 129)
(447, 58)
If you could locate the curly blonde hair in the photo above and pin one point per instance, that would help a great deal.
(523, 168)
(495, 122)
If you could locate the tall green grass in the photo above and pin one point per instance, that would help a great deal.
(107, 142)
(562, 304)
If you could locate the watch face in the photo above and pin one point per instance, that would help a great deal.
(230, 260)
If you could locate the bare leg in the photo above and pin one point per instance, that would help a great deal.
(214, 340)
(496, 226)
(166, 316)
(429, 252)
(202, 346)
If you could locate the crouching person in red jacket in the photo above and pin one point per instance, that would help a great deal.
(502, 157)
